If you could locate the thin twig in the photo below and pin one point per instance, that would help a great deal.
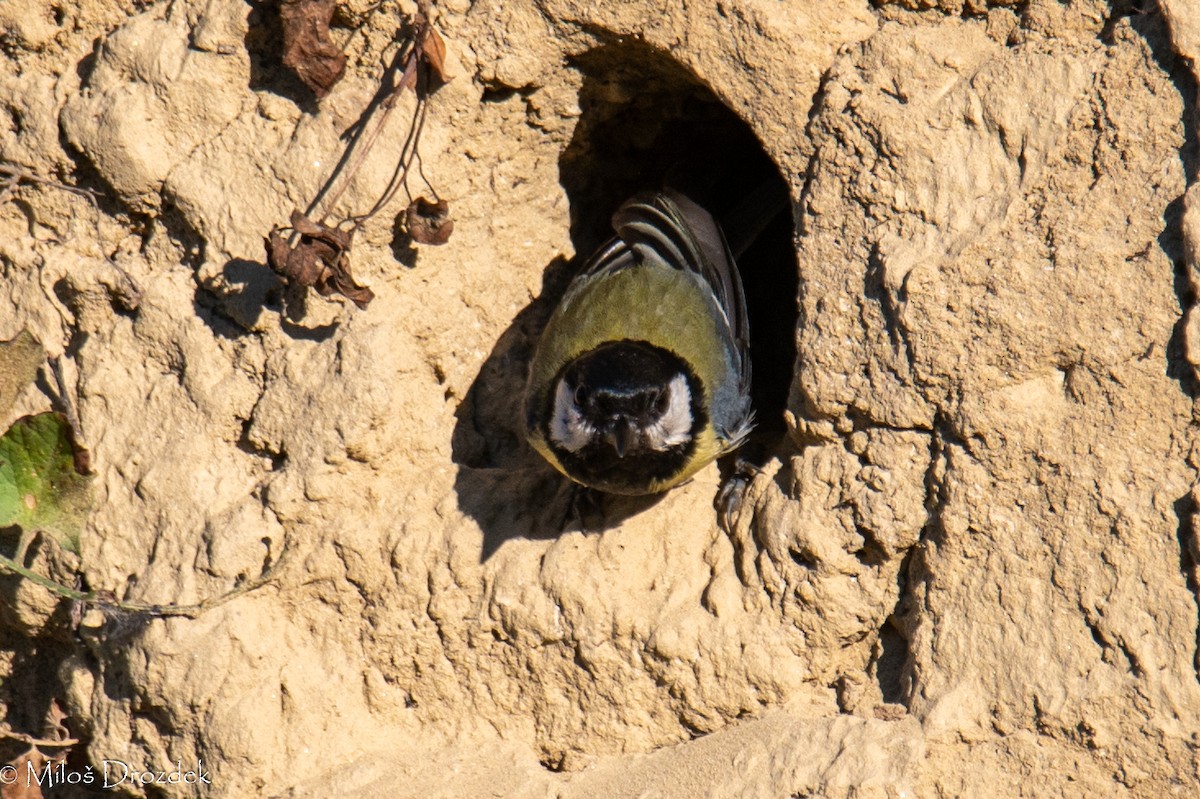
(99, 599)
(54, 587)
(49, 743)
(362, 142)
(408, 154)
(15, 175)
(408, 69)
(192, 611)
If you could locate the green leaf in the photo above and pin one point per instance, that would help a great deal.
(19, 362)
(40, 488)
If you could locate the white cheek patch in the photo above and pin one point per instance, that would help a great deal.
(674, 427)
(568, 428)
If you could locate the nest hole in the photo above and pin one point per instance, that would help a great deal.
(647, 122)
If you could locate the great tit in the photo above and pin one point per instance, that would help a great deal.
(642, 374)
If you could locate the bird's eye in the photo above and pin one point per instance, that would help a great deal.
(661, 400)
(580, 395)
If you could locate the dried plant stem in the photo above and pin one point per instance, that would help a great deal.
(101, 600)
(15, 175)
(49, 743)
(409, 69)
(363, 139)
(408, 155)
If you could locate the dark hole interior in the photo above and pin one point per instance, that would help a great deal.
(889, 667)
(647, 122)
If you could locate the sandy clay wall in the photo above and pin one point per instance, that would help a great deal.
(969, 569)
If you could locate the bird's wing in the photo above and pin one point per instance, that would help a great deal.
(672, 227)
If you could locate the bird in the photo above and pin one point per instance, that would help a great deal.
(641, 376)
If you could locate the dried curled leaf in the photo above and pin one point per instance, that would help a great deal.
(54, 727)
(308, 49)
(23, 776)
(428, 222)
(21, 785)
(320, 260)
(433, 50)
(428, 55)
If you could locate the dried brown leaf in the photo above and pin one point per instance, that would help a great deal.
(331, 237)
(434, 50)
(21, 782)
(23, 776)
(320, 259)
(21, 786)
(308, 49)
(55, 716)
(428, 222)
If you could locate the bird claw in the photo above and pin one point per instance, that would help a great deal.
(732, 495)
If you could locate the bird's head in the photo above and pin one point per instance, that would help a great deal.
(623, 411)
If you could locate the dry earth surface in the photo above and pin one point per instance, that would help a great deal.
(971, 569)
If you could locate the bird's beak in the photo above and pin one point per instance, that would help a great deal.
(622, 437)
